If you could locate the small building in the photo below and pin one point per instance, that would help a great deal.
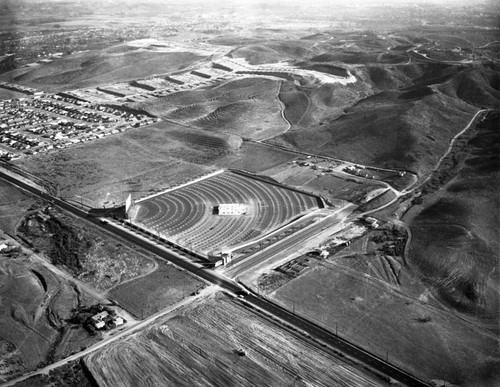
(118, 321)
(372, 222)
(232, 209)
(99, 319)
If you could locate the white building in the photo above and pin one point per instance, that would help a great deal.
(232, 209)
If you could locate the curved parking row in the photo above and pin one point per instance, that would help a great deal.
(186, 214)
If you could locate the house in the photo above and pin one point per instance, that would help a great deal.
(99, 319)
(372, 222)
(118, 321)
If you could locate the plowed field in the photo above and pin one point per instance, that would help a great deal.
(219, 343)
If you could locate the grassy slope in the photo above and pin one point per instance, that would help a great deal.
(456, 245)
(273, 51)
(96, 67)
(254, 157)
(404, 122)
(35, 304)
(13, 205)
(245, 107)
(477, 86)
(389, 321)
(138, 161)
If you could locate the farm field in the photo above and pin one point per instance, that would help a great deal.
(361, 289)
(186, 215)
(246, 107)
(36, 305)
(217, 342)
(155, 291)
(425, 339)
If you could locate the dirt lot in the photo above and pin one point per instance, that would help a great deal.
(332, 186)
(149, 294)
(33, 317)
(218, 343)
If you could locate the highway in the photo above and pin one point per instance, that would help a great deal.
(287, 245)
(251, 299)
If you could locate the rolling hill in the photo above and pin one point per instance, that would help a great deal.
(93, 68)
(397, 117)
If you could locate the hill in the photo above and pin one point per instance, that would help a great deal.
(85, 69)
(388, 130)
(477, 86)
(273, 51)
(397, 117)
(455, 246)
(245, 107)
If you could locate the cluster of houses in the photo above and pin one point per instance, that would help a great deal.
(7, 247)
(103, 321)
(156, 86)
(359, 171)
(319, 164)
(41, 123)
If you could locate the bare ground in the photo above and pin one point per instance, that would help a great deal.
(218, 343)
(35, 306)
(390, 320)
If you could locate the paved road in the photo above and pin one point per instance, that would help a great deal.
(228, 284)
(118, 335)
(287, 245)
